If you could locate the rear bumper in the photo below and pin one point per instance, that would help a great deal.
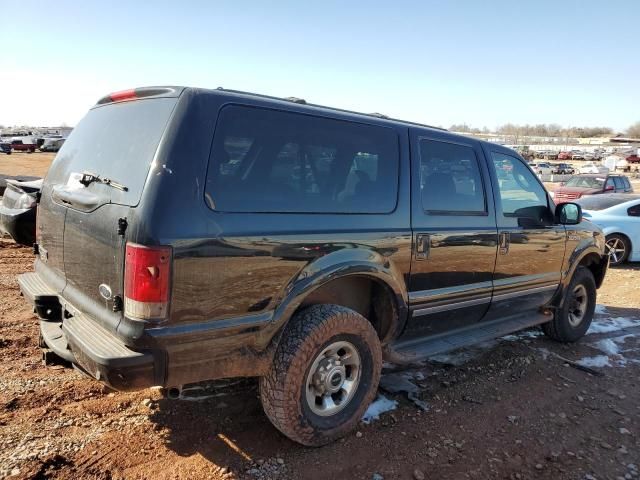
(91, 347)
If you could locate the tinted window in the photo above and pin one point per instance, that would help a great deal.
(520, 193)
(271, 161)
(634, 211)
(627, 183)
(450, 179)
(116, 141)
(619, 183)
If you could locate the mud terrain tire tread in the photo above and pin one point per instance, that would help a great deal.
(559, 328)
(282, 388)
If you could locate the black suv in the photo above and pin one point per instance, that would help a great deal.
(188, 234)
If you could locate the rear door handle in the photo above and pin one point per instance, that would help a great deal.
(423, 244)
(503, 243)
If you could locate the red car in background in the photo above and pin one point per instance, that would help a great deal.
(564, 156)
(25, 144)
(590, 184)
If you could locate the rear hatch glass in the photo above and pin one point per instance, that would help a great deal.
(115, 141)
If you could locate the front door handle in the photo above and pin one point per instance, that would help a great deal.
(423, 244)
(503, 243)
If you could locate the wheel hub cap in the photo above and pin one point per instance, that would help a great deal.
(333, 378)
(577, 305)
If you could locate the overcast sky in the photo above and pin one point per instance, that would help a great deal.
(481, 62)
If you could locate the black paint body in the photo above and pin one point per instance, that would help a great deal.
(237, 278)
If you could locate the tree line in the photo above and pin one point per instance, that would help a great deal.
(547, 130)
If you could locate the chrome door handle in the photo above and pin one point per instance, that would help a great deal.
(423, 244)
(503, 243)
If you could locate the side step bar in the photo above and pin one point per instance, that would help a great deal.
(411, 351)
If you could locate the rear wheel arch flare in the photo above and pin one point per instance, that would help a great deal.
(370, 296)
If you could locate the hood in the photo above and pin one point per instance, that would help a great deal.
(580, 190)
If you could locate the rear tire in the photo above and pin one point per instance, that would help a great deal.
(618, 248)
(324, 375)
(573, 319)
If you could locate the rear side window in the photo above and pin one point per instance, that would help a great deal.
(627, 183)
(634, 211)
(450, 180)
(271, 161)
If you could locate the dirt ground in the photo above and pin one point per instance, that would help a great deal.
(512, 409)
(29, 164)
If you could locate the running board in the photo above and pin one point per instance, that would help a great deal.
(414, 350)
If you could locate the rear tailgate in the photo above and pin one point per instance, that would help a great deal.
(78, 223)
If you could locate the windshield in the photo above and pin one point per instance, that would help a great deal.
(586, 182)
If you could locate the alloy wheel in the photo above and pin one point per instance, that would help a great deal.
(616, 250)
(333, 379)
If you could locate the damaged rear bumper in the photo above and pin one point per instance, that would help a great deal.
(85, 343)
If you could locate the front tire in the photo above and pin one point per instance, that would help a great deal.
(618, 248)
(573, 319)
(324, 375)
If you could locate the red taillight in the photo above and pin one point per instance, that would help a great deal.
(147, 278)
(123, 95)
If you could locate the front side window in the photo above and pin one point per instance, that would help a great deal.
(521, 195)
(272, 161)
(450, 180)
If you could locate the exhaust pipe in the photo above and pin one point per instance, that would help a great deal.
(174, 393)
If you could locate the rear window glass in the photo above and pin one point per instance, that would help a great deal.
(272, 161)
(586, 182)
(116, 141)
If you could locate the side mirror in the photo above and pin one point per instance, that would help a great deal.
(569, 213)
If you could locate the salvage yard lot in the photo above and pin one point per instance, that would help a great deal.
(520, 407)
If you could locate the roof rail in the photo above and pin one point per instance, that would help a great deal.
(296, 100)
(304, 102)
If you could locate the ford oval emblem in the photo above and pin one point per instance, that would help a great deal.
(105, 291)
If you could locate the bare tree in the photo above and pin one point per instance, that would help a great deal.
(634, 130)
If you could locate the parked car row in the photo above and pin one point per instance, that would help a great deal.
(31, 144)
(545, 168)
(568, 155)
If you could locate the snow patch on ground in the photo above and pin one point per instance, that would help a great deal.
(601, 309)
(597, 361)
(612, 324)
(514, 337)
(379, 406)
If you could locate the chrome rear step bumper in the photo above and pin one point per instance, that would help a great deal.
(83, 342)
